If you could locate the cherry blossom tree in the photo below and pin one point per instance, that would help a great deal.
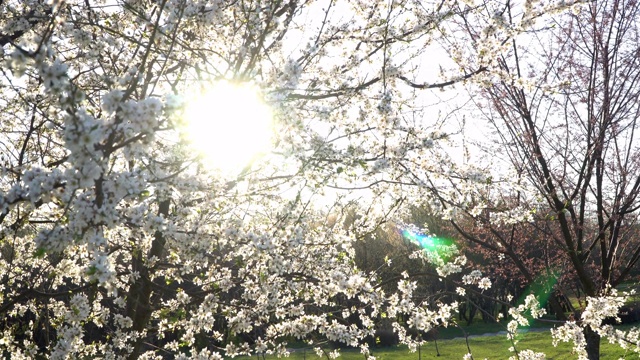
(118, 241)
(561, 106)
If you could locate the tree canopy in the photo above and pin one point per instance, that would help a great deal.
(118, 240)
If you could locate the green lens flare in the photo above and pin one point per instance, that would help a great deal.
(424, 241)
(427, 242)
(541, 288)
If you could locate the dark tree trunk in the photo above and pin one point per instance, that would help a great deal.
(593, 344)
(472, 314)
(557, 308)
(139, 297)
(462, 311)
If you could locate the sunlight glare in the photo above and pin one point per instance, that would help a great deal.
(230, 125)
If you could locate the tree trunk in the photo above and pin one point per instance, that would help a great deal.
(139, 297)
(593, 344)
(462, 311)
(472, 314)
(556, 307)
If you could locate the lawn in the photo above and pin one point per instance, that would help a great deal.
(452, 345)
(489, 347)
(479, 328)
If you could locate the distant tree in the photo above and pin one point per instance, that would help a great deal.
(521, 256)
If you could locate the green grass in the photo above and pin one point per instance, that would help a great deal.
(451, 346)
(479, 327)
(628, 287)
(489, 347)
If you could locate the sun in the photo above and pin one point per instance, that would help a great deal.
(229, 124)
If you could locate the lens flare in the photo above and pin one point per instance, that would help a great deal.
(427, 242)
(541, 288)
(424, 241)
